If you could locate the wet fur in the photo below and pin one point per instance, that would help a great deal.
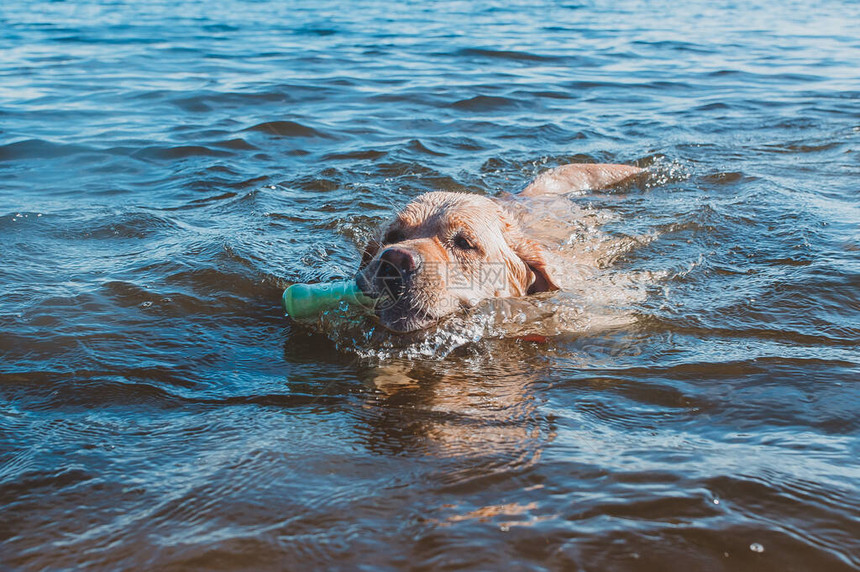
(500, 260)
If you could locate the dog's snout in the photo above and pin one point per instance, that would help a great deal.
(389, 273)
(393, 270)
(397, 260)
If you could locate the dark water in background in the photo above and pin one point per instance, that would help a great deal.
(166, 167)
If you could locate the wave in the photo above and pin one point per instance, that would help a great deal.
(487, 103)
(288, 129)
(41, 149)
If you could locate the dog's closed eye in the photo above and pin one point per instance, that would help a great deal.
(463, 242)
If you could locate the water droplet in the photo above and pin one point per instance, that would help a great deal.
(716, 501)
(756, 547)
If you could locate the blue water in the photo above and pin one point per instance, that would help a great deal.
(166, 168)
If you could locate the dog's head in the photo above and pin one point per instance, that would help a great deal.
(445, 251)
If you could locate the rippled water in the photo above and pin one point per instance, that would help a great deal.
(165, 168)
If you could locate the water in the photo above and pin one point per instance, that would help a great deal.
(167, 167)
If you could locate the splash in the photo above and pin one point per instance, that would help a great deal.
(600, 301)
(663, 171)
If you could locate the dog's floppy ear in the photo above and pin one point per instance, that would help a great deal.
(539, 278)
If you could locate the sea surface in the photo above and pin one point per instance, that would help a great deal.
(167, 168)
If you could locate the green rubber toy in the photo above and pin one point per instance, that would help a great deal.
(303, 301)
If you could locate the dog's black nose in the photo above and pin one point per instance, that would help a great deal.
(399, 260)
(394, 266)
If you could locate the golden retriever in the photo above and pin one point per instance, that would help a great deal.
(445, 251)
